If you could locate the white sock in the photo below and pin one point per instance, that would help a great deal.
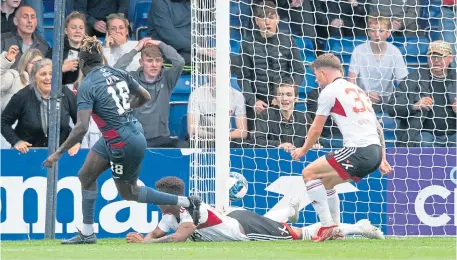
(183, 201)
(350, 229)
(309, 231)
(334, 205)
(318, 198)
(88, 229)
(280, 215)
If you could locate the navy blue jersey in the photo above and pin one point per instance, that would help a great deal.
(106, 91)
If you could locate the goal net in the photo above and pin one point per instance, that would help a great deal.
(254, 48)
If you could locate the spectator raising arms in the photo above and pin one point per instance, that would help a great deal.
(425, 103)
(117, 42)
(30, 108)
(8, 10)
(159, 82)
(97, 11)
(75, 27)
(24, 37)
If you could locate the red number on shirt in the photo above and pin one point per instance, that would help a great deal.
(362, 101)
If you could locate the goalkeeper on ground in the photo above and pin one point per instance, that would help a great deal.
(236, 225)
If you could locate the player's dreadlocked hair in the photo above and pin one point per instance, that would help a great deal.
(91, 52)
(172, 185)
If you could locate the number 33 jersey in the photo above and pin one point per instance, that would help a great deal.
(106, 92)
(352, 111)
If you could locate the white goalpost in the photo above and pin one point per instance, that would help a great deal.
(416, 200)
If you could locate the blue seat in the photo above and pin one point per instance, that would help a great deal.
(307, 51)
(48, 35)
(177, 121)
(414, 49)
(344, 47)
(140, 19)
(182, 89)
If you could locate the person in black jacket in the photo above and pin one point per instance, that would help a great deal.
(331, 136)
(8, 10)
(266, 59)
(75, 27)
(96, 12)
(30, 108)
(341, 18)
(425, 104)
(284, 127)
(25, 36)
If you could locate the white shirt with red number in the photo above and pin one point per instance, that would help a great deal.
(352, 111)
(214, 226)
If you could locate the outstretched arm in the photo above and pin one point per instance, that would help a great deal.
(76, 135)
(314, 133)
(141, 97)
(183, 232)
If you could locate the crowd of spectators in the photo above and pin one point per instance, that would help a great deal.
(269, 68)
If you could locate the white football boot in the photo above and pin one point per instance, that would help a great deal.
(294, 203)
(369, 231)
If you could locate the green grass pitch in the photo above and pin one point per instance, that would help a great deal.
(111, 249)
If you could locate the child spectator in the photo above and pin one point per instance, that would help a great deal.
(376, 63)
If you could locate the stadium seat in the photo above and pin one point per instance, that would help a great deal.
(140, 19)
(306, 47)
(177, 121)
(414, 49)
(48, 15)
(48, 35)
(344, 47)
(182, 89)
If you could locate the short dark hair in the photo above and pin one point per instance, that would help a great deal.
(172, 185)
(288, 82)
(265, 9)
(327, 60)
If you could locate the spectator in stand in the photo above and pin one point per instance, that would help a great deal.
(160, 83)
(169, 21)
(376, 63)
(341, 18)
(299, 14)
(284, 127)
(24, 37)
(403, 15)
(97, 11)
(30, 108)
(8, 10)
(266, 59)
(201, 112)
(443, 21)
(11, 80)
(331, 136)
(117, 42)
(425, 103)
(75, 29)
(38, 6)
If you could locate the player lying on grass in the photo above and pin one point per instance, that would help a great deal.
(237, 225)
(104, 94)
(363, 138)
